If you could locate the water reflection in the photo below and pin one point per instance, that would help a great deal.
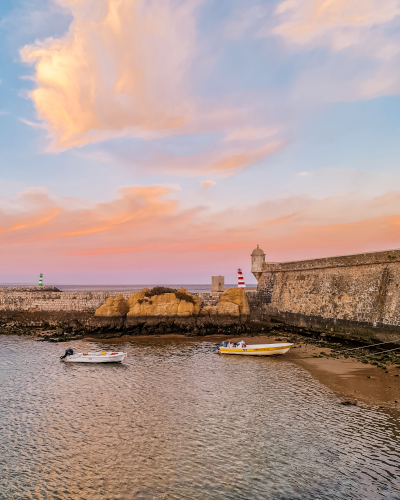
(176, 421)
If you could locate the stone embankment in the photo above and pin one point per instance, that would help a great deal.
(60, 315)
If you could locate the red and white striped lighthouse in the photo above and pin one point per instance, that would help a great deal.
(240, 279)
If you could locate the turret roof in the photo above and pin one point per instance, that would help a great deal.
(258, 251)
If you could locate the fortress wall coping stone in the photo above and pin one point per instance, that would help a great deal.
(362, 259)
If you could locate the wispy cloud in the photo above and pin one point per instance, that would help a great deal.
(33, 124)
(339, 23)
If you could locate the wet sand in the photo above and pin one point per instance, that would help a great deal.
(354, 382)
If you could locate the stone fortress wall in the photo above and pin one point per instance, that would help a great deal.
(355, 296)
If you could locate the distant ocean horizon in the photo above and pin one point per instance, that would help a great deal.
(125, 288)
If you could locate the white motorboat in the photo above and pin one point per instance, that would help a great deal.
(93, 357)
(253, 349)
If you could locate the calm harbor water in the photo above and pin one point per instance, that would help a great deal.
(176, 421)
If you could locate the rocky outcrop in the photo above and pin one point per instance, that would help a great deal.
(171, 309)
(232, 307)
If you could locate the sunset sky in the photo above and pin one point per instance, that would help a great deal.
(159, 141)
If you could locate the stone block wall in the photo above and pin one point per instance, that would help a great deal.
(356, 295)
(53, 301)
(12, 299)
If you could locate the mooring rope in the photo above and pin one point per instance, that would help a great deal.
(372, 345)
(378, 353)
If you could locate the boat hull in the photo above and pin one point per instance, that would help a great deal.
(116, 358)
(257, 350)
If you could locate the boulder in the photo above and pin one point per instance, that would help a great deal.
(189, 308)
(135, 301)
(113, 306)
(228, 309)
(208, 311)
(165, 305)
(236, 296)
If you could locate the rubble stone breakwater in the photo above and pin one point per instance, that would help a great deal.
(50, 313)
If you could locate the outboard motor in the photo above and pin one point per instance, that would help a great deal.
(68, 352)
(222, 344)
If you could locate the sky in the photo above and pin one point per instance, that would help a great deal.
(159, 141)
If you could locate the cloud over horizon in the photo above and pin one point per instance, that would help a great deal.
(147, 220)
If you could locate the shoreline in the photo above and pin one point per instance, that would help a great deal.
(348, 378)
(352, 381)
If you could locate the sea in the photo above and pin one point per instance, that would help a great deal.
(177, 421)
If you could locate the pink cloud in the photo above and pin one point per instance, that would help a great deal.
(361, 28)
(220, 161)
(121, 68)
(334, 21)
(149, 225)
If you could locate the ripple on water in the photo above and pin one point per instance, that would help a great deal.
(175, 421)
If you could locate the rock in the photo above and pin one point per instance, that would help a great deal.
(117, 306)
(228, 309)
(135, 301)
(157, 305)
(236, 296)
(208, 311)
(166, 304)
(188, 308)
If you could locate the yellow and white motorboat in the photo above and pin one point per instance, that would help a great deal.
(253, 349)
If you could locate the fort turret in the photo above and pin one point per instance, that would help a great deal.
(257, 262)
